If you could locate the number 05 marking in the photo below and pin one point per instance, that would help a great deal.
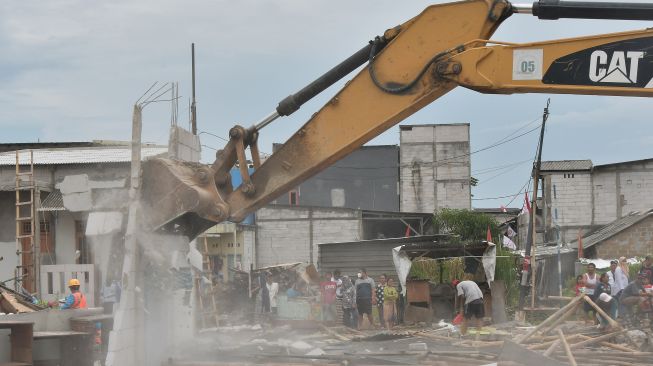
(527, 64)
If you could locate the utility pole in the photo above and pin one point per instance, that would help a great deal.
(529, 259)
(193, 110)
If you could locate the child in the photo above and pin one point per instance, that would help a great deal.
(579, 284)
(390, 296)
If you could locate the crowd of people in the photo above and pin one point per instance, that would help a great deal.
(615, 293)
(357, 302)
(359, 297)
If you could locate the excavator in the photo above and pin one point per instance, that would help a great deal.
(408, 67)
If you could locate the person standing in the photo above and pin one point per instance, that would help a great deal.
(390, 296)
(76, 299)
(349, 303)
(328, 298)
(591, 280)
(265, 294)
(469, 301)
(647, 268)
(379, 298)
(273, 290)
(364, 292)
(618, 279)
(605, 300)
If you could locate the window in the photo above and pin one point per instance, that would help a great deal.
(293, 198)
(555, 194)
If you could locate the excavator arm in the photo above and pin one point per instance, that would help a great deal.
(409, 67)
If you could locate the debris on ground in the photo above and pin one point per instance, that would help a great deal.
(553, 342)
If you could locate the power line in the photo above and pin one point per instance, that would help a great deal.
(498, 167)
(499, 197)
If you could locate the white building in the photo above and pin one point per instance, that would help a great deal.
(580, 196)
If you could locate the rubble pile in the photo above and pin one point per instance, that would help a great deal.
(555, 341)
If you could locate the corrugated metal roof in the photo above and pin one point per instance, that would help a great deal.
(53, 202)
(566, 165)
(89, 155)
(615, 227)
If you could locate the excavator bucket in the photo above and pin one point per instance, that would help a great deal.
(180, 197)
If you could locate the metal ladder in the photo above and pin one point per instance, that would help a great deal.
(26, 268)
(206, 295)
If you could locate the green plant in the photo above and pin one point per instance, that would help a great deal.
(465, 224)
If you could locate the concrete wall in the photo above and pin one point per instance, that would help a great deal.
(434, 167)
(183, 145)
(45, 320)
(571, 198)
(46, 176)
(292, 234)
(64, 236)
(621, 189)
(636, 240)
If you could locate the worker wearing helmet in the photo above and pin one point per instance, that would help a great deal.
(76, 300)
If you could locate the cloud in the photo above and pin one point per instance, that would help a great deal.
(71, 69)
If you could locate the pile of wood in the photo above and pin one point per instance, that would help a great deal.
(583, 346)
(12, 302)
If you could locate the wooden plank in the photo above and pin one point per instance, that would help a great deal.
(9, 303)
(58, 334)
(565, 346)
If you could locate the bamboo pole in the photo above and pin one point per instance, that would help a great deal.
(547, 344)
(550, 319)
(564, 317)
(618, 347)
(552, 347)
(565, 345)
(596, 339)
(559, 298)
(612, 322)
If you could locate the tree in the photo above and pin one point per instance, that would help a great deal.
(466, 224)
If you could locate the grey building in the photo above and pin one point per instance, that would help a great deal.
(62, 232)
(435, 167)
(287, 234)
(366, 179)
(429, 170)
(580, 196)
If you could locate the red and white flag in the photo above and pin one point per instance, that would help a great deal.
(527, 202)
(503, 208)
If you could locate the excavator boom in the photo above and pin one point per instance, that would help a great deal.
(409, 67)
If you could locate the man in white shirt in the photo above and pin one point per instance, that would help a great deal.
(617, 279)
(469, 301)
(273, 290)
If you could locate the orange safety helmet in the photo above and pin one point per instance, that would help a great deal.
(73, 282)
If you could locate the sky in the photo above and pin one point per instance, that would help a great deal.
(71, 70)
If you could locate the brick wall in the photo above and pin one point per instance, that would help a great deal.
(571, 198)
(435, 167)
(636, 240)
(285, 234)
